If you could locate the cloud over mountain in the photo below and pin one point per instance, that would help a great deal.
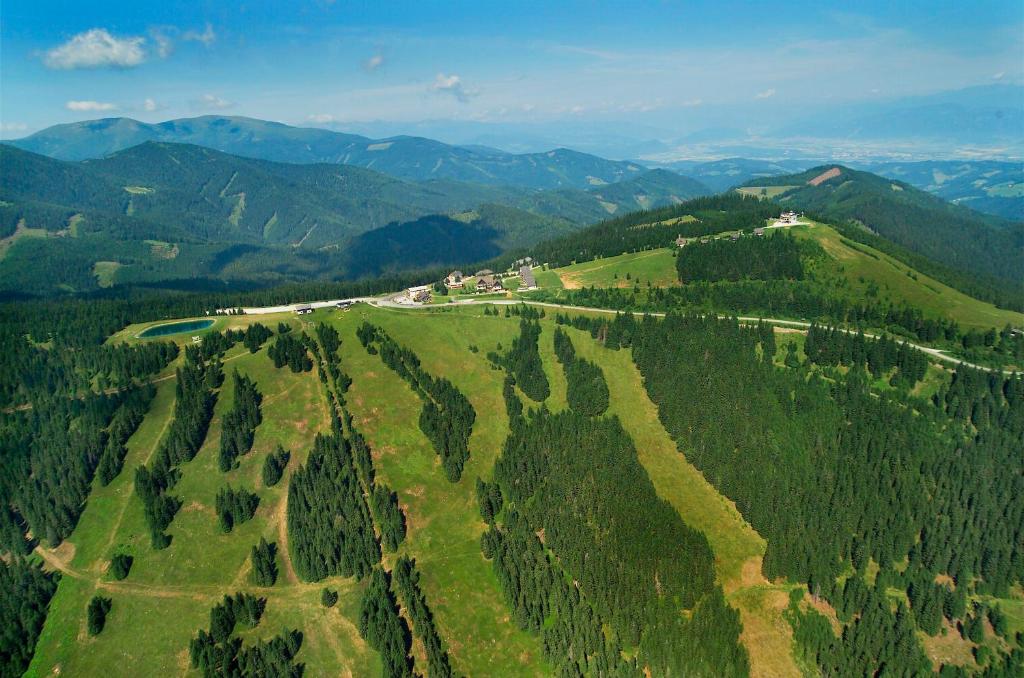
(97, 48)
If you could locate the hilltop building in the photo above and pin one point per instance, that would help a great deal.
(454, 280)
(525, 261)
(303, 309)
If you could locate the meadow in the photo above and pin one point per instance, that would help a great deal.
(178, 585)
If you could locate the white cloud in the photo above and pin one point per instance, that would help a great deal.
(208, 101)
(692, 103)
(767, 94)
(90, 106)
(374, 63)
(453, 85)
(97, 48)
(13, 127)
(164, 44)
(207, 37)
(150, 105)
(321, 118)
(999, 75)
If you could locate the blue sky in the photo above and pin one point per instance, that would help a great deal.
(336, 63)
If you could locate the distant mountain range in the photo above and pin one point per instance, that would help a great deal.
(984, 185)
(242, 218)
(413, 158)
(138, 210)
(987, 186)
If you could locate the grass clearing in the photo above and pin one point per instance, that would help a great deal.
(865, 272)
(657, 267)
(443, 518)
(179, 584)
(20, 231)
(105, 271)
(737, 547)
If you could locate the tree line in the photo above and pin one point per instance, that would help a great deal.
(586, 389)
(836, 476)
(195, 396)
(330, 528)
(447, 416)
(572, 486)
(523, 361)
(749, 258)
(238, 425)
(833, 346)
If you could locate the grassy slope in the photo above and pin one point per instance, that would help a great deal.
(657, 266)
(856, 265)
(851, 269)
(180, 584)
(443, 518)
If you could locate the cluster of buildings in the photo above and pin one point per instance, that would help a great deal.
(304, 309)
(489, 281)
(484, 280)
(680, 241)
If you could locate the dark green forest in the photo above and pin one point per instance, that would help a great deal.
(837, 476)
(579, 506)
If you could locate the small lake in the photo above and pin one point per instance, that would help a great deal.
(176, 328)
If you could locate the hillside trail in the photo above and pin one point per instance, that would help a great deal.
(281, 516)
(129, 494)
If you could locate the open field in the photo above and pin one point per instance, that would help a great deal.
(20, 231)
(444, 524)
(178, 585)
(105, 272)
(655, 266)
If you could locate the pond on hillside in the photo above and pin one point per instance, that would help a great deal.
(176, 328)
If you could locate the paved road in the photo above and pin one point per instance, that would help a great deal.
(389, 302)
(798, 324)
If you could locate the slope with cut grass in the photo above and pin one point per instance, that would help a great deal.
(178, 585)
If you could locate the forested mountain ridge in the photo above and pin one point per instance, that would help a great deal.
(957, 237)
(989, 186)
(413, 158)
(161, 211)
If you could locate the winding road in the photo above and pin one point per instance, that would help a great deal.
(799, 325)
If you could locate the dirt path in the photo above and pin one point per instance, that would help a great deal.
(129, 493)
(281, 516)
(193, 591)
